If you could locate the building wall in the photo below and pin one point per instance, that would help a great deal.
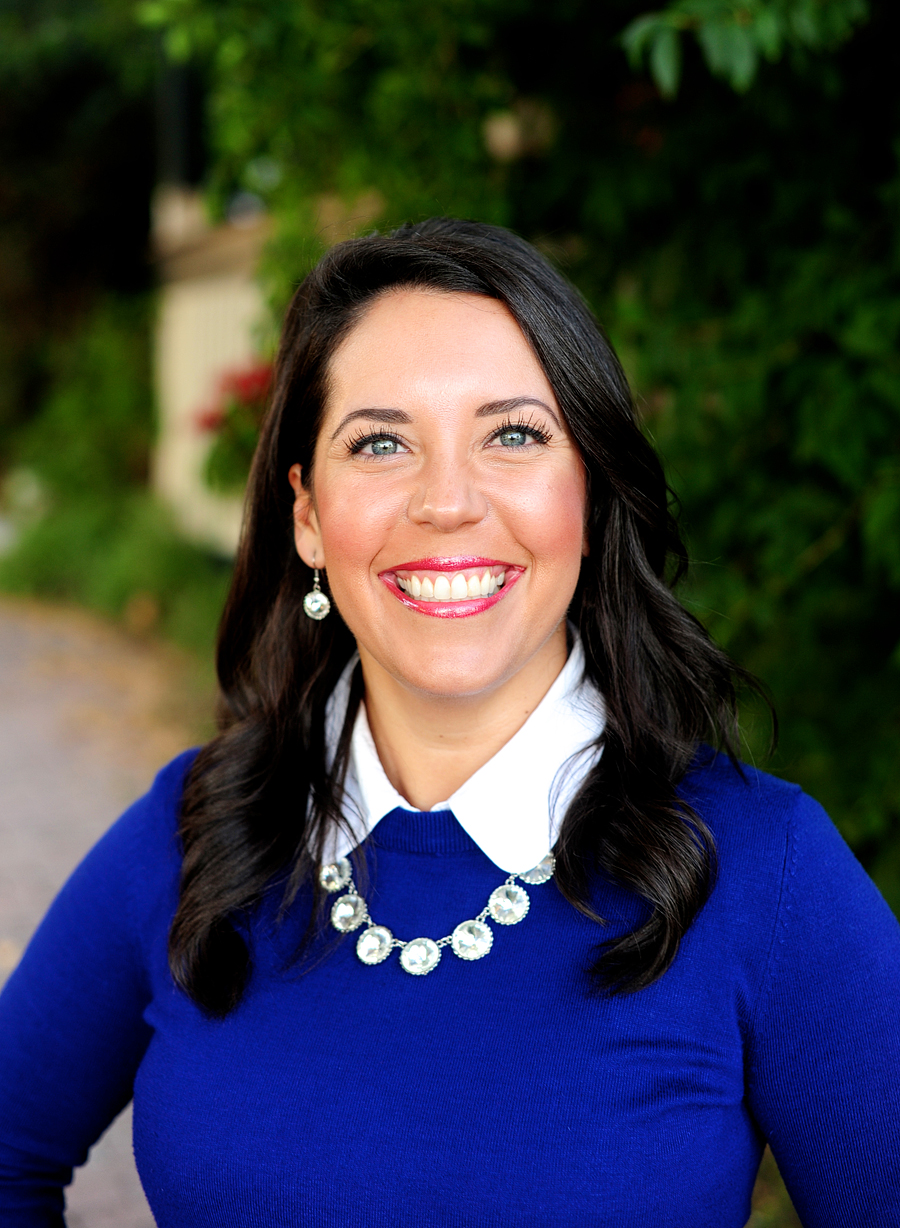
(206, 327)
(211, 312)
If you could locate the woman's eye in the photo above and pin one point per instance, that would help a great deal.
(376, 445)
(522, 435)
(384, 447)
(513, 438)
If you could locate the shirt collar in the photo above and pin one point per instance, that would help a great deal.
(513, 806)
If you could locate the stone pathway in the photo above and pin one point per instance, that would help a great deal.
(87, 716)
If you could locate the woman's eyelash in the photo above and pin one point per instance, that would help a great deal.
(356, 443)
(527, 428)
(361, 439)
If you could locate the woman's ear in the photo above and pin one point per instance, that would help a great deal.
(307, 538)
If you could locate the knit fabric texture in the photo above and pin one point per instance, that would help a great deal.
(495, 1091)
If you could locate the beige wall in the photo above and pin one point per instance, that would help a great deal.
(210, 314)
(206, 327)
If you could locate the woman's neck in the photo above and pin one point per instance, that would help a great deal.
(430, 745)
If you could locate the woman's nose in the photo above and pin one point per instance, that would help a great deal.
(447, 497)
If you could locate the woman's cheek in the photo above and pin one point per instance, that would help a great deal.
(547, 515)
(356, 519)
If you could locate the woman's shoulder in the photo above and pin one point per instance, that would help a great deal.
(154, 815)
(741, 804)
(760, 825)
(714, 774)
(164, 795)
(778, 851)
(788, 893)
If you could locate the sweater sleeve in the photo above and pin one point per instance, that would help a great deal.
(824, 1075)
(72, 1032)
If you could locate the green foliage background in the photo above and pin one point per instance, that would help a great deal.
(721, 180)
(101, 539)
(733, 219)
(77, 83)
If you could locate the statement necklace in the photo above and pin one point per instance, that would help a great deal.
(470, 940)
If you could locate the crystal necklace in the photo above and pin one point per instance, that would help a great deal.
(507, 905)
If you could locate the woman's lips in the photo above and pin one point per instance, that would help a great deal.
(451, 588)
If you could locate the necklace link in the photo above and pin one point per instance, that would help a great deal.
(508, 905)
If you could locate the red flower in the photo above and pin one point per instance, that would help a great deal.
(241, 389)
(210, 419)
(248, 385)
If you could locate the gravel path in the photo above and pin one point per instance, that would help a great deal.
(87, 716)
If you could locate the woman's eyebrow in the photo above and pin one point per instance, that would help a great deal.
(492, 408)
(372, 415)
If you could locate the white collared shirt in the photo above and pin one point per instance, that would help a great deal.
(513, 806)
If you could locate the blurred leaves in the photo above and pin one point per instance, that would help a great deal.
(346, 98)
(782, 432)
(93, 435)
(102, 540)
(123, 557)
(734, 35)
(37, 36)
(76, 171)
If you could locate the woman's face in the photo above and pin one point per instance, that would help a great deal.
(448, 499)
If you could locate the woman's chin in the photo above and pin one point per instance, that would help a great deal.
(450, 680)
(462, 669)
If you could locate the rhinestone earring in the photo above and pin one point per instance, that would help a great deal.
(316, 604)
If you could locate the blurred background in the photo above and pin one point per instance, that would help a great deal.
(720, 177)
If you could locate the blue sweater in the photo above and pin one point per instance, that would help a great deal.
(498, 1091)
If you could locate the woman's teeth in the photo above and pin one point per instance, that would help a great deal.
(455, 587)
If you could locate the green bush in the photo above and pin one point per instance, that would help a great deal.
(98, 537)
(92, 436)
(122, 557)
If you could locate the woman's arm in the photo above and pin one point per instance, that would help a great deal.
(824, 1076)
(72, 1032)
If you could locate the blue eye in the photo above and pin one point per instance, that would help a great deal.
(375, 445)
(519, 435)
(513, 438)
(384, 447)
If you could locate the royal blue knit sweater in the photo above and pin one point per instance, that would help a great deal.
(493, 1092)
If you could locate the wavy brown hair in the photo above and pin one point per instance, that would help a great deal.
(667, 687)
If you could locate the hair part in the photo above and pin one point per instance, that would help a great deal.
(263, 796)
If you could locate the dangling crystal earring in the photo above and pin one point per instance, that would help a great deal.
(316, 604)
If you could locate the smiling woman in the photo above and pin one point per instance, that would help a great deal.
(624, 960)
(469, 505)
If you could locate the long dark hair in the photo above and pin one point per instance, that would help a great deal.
(261, 797)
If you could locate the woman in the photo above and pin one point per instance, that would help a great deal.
(327, 954)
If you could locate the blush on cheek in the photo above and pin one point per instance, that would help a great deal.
(556, 517)
(347, 518)
(355, 525)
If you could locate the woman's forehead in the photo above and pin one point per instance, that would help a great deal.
(425, 347)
